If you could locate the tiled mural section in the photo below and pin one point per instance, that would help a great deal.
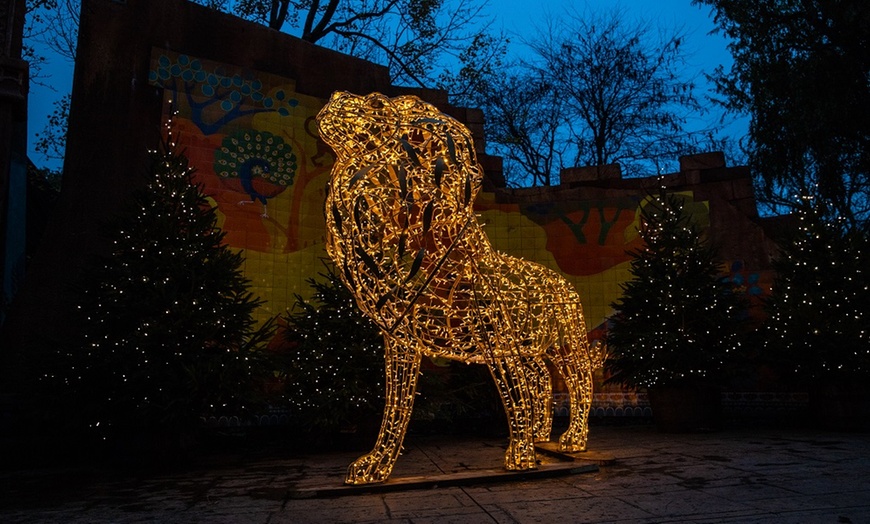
(587, 241)
(253, 141)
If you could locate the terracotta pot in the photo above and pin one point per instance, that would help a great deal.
(843, 406)
(686, 408)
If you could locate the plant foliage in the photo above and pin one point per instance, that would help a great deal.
(168, 333)
(820, 304)
(677, 321)
(801, 72)
(335, 362)
(334, 369)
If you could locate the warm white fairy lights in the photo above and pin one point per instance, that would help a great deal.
(403, 235)
(165, 315)
(822, 269)
(677, 321)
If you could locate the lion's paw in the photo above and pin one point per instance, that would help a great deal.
(520, 456)
(369, 469)
(569, 443)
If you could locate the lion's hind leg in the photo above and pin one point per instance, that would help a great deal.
(577, 373)
(538, 376)
(517, 396)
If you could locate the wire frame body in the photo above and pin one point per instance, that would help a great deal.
(403, 234)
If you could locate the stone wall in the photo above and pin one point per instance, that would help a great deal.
(235, 86)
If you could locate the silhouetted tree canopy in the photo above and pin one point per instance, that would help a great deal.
(598, 89)
(802, 72)
(423, 42)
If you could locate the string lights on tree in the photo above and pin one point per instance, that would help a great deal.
(335, 359)
(168, 333)
(677, 321)
(820, 304)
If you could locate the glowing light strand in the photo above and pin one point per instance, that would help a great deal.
(402, 232)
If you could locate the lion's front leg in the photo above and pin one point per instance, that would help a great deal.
(402, 370)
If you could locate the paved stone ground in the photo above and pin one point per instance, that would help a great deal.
(745, 476)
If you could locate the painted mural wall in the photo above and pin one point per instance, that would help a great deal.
(253, 141)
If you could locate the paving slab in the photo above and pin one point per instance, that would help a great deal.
(462, 478)
(640, 476)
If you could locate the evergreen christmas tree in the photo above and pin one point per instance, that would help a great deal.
(820, 305)
(677, 321)
(167, 318)
(335, 371)
(335, 363)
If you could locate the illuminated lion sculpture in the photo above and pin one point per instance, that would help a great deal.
(404, 237)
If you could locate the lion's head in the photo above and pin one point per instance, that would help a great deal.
(374, 132)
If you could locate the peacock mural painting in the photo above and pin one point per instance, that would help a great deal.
(257, 163)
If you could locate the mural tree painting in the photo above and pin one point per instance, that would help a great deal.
(576, 218)
(598, 228)
(250, 139)
(230, 96)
